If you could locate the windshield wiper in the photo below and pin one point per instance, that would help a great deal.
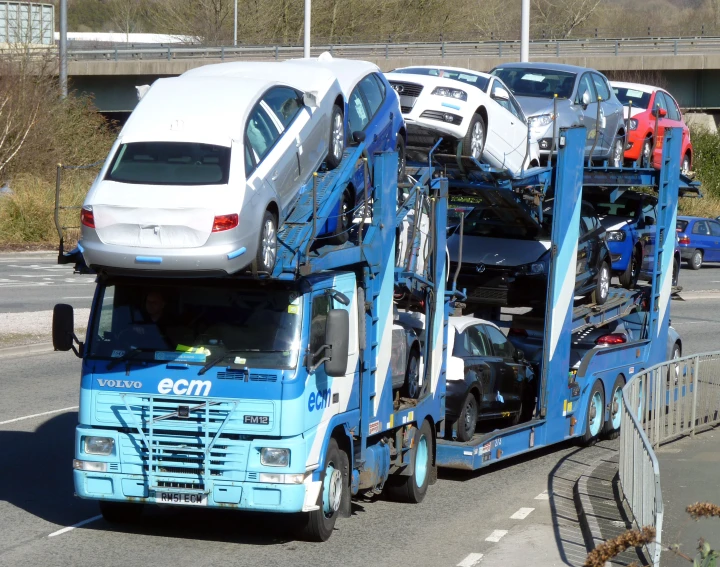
(129, 355)
(219, 358)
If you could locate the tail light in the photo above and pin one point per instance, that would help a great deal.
(87, 218)
(685, 239)
(517, 332)
(612, 339)
(225, 222)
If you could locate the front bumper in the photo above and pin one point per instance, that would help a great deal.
(503, 288)
(620, 253)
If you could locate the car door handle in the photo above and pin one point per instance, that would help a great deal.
(274, 176)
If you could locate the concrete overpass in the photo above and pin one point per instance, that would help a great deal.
(689, 67)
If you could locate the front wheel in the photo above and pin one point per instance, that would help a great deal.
(602, 287)
(411, 386)
(646, 155)
(344, 219)
(629, 278)
(336, 146)
(618, 152)
(595, 417)
(696, 260)
(321, 523)
(413, 488)
(402, 160)
(267, 245)
(467, 422)
(474, 142)
(685, 168)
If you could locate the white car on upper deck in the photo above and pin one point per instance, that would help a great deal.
(208, 166)
(464, 107)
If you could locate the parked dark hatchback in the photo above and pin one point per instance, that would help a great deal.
(506, 255)
(487, 377)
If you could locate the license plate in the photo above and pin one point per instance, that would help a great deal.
(181, 498)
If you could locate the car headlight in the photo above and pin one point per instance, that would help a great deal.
(541, 120)
(452, 93)
(275, 457)
(537, 268)
(633, 124)
(616, 236)
(99, 445)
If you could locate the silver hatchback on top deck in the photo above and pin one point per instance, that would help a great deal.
(584, 98)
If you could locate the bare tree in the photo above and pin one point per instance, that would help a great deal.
(209, 21)
(125, 14)
(558, 18)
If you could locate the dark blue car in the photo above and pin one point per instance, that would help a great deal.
(372, 112)
(699, 240)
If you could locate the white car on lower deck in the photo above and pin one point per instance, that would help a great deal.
(468, 109)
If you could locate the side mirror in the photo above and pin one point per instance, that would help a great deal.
(586, 99)
(519, 355)
(337, 339)
(659, 112)
(358, 137)
(501, 94)
(310, 99)
(63, 327)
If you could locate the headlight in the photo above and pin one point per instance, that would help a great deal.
(452, 93)
(90, 466)
(633, 124)
(541, 120)
(276, 478)
(616, 236)
(275, 457)
(99, 445)
(537, 268)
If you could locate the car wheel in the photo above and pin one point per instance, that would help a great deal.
(602, 287)
(412, 488)
(337, 138)
(411, 386)
(344, 219)
(595, 417)
(474, 142)
(685, 167)
(467, 422)
(612, 426)
(675, 272)
(696, 260)
(400, 149)
(629, 278)
(320, 523)
(618, 152)
(120, 512)
(646, 155)
(267, 245)
(674, 369)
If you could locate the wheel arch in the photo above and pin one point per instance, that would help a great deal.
(482, 111)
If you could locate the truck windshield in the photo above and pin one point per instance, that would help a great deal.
(170, 163)
(541, 83)
(261, 327)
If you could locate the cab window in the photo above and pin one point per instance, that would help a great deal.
(714, 228)
(648, 214)
(660, 101)
(285, 103)
(585, 86)
(601, 87)
(496, 86)
(261, 133)
(672, 109)
(357, 112)
(371, 91)
(500, 345)
(320, 309)
(477, 344)
(701, 227)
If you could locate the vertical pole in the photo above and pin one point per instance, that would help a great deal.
(63, 49)
(235, 25)
(695, 385)
(525, 32)
(306, 46)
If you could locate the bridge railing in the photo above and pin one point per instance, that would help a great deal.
(511, 49)
(662, 403)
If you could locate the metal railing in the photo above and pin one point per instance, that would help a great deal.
(662, 403)
(442, 49)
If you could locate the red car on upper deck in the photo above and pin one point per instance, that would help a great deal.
(648, 105)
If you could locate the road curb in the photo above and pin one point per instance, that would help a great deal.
(35, 348)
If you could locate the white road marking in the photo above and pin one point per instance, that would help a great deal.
(38, 415)
(471, 560)
(79, 524)
(496, 536)
(522, 513)
(543, 496)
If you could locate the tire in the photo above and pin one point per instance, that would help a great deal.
(617, 155)
(646, 153)
(595, 417)
(120, 512)
(602, 286)
(467, 422)
(685, 165)
(675, 272)
(336, 145)
(629, 278)
(473, 143)
(344, 219)
(696, 260)
(674, 372)
(611, 427)
(402, 160)
(266, 254)
(321, 523)
(412, 489)
(411, 385)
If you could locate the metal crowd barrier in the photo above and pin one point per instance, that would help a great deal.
(664, 402)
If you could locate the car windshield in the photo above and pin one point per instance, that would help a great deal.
(541, 83)
(627, 95)
(624, 206)
(170, 163)
(503, 222)
(467, 78)
(260, 326)
(681, 225)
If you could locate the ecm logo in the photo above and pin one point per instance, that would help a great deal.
(319, 401)
(120, 383)
(183, 387)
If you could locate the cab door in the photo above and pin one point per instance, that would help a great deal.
(508, 389)
(610, 114)
(715, 242)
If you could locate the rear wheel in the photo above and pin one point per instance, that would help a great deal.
(344, 219)
(336, 146)
(629, 278)
(674, 369)
(412, 488)
(120, 512)
(267, 245)
(676, 272)
(474, 142)
(595, 414)
(696, 260)
(411, 386)
(612, 426)
(602, 287)
(618, 152)
(467, 422)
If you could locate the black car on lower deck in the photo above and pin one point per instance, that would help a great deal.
(487, 377)
(506, 254)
